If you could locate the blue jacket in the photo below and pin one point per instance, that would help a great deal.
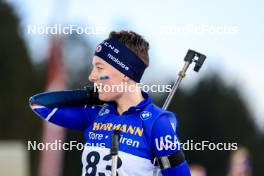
(146, 132)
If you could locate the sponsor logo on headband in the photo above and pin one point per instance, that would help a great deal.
(117, 61)
(98, 48)
(111, 47)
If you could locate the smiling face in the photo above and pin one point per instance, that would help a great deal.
(101, 69)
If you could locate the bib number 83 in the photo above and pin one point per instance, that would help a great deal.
(93, 159)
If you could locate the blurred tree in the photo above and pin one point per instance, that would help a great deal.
(215, 112)
(19, 80)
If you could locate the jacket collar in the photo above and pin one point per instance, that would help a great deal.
(139, 107)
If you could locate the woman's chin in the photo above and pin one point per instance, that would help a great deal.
(104, 97)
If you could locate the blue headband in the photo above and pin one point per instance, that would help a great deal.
(122, 58)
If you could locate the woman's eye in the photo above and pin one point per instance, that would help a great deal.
(99, 68)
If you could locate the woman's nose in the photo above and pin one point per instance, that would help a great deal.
(92, 77)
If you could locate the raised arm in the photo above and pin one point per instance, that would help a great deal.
(70, 109)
